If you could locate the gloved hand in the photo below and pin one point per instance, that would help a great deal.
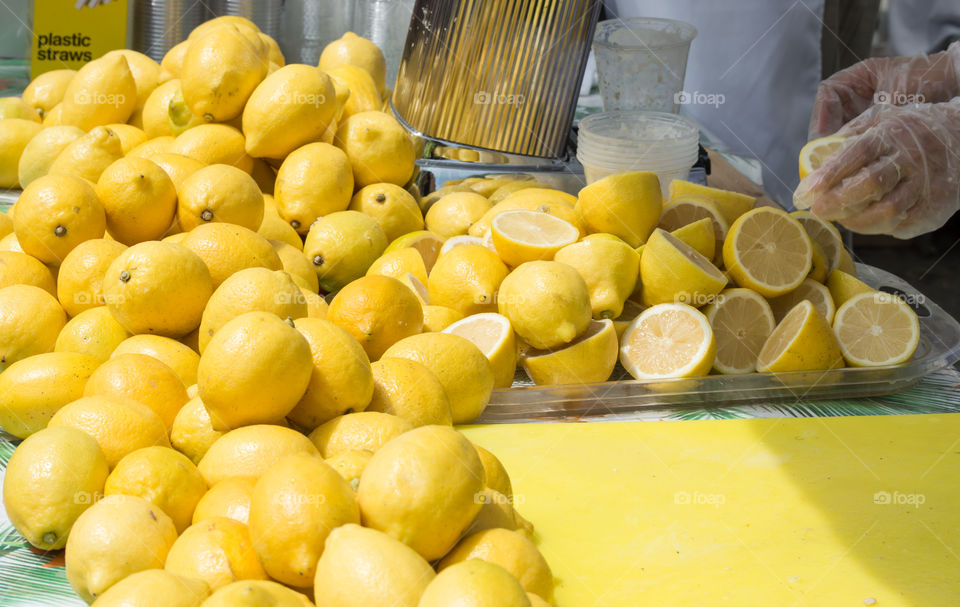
(897, 173)
(895, 80)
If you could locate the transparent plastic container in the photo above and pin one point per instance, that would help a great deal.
(613, 142)
(939, 348)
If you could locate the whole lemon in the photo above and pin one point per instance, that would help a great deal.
(262, 593)
(313, 181)
(366, 431)
(510, 550)
(214, 144)
(42, 150)
(192, 432)
(379, 148)
(351, 49)
(30, 321)
(47, 90)
(221, 68)
(547, 302)
(627, 205)
(101, 92)
(467, 279)
(145, 72)
(141, 378)
(227, 249)
(181, 359)
(130, 136)
(364, 95)
(220, 193)
(342, 246)
(80, 283)
(139, 200)
(378, 311)
(350, 465)
(156, 120)
(94, 332)
(155, 587)
(422, 489)
(294, 262)
(55, 213)
(476, 583)
(254, 370)
(229, 498)
(216, 550)
(394, 208)
(158, 288)
(18, 268)
(250, 450)
(50, 480)
(455, 213)
(410, 391)
(89, 155)
(495, 472)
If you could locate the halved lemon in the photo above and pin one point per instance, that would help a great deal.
(742, 321)
(416, 285)
(768, 251)
(824, 234)
(521, 236)
(398, 263)
(456, 241)
(668, 340)
(731, 204)
(699, 235)
(494, 335)
(671, 271)
(686, 209)
(811, 290)
(816, 152)
(589, 358)
(843, 286)
(803, 341)
(876, 329)
(426, 242)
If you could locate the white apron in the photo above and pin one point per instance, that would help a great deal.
(758, 62)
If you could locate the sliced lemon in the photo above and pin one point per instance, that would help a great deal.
(686, 209)
(844, 286)
(699, 235)
(742, 321)
(494, 335)
(816, 152)
(671, 271)
(731, 204)
(803, 341)
(668, 340)
(521, 236)
(768, 251)
(811, 290)
(426, 242)
(876, 329)
(456, 241)
(589, 358)
(824, 234)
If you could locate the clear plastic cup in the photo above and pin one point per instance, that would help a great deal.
(641, 62)
(614, 142)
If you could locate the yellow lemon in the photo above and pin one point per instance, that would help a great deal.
(819, 265)
(290, 521)
(251, 290)
(816, 152)
(512, 186)
(156, 108)
(467, 279)
(6, 224)
(312, 182)
(671, 271)
(50, 480)
(290, 108)
(296, 264)
(265, 175)
(377, 311)
(157, 288)
(229, 498)
(214, 144)
(731, 204)
(141, 378)
(101, 92)
(589, 358)
(182, 360)
(30, 323)
(768, 251)
(99, 551)
(876, 329)
(411, 391)
(495, 473)
(192, 432)
(438, 318)
(824, 234)
(94, 332)
(10, 243)
(477, 583)
(363, 96)
(151, 147)
(35, 388)
(685, 210)
(220, 193)
(496, 512)
(221, 68)
(218, 551)
(42, 150)
(155, 587)
(172, 61)
(228, 248)
(699, 235)
(463, 370)
(316, 306)
(47, 90)
(379, 148)
(522, 236)
(342, 246)
(52, 118)
(668, 340)
(254, 370)
(426, 243)
(742, 321)
(547, 302)
(278, 231)
(394, 208)
(398, 263)
(89, 155)
(145, 72)
(802, 341)
(163, 477)
(130, 136)
(139, 200)
(494, 336)
(510, 550)
(21, 269)
(251, 450)
(350, 465)
(809, 289)
(453, 214)
(241, 23)
(80, 285)
(363, 431)
(627, 205)
(55, 214)
(421, 489)
(341, 380)
(844, 286)
(364, 566)
(847, 264)
(262, 593)
(351, 49)
(540, 200)
(609, 267)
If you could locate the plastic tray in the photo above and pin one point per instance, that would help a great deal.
(939, 348)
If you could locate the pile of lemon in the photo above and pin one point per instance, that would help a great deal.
(199, 426)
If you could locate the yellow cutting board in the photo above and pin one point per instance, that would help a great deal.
(819, 512)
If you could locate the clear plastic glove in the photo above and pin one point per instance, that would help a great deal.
(894, 80)
(897, 173)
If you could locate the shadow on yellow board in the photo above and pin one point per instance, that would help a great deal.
(815, 511)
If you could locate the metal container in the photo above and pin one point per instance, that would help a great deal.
(160, 24)
(265, 13)
(498, 75)
(309, 25)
